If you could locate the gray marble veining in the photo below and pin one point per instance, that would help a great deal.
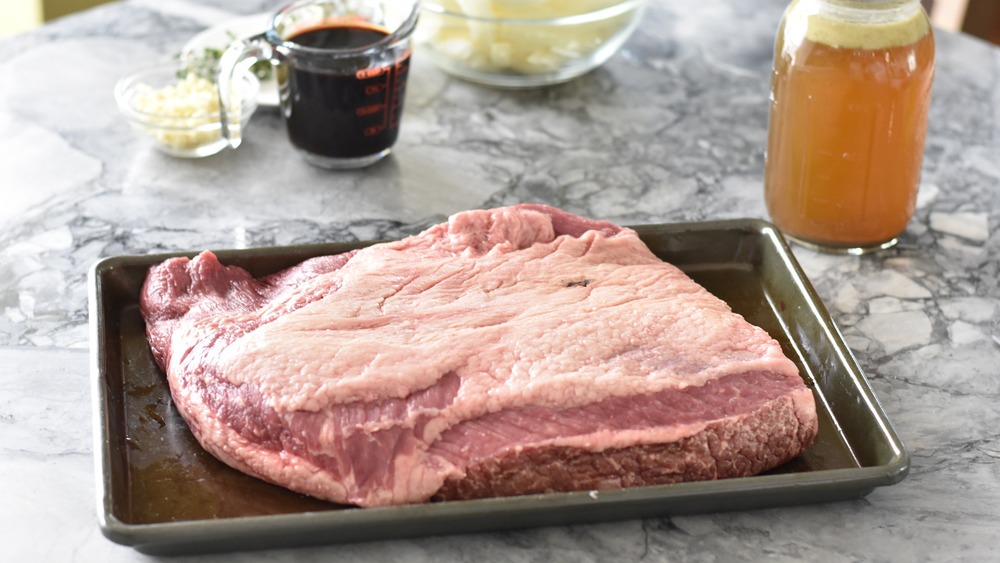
(672, 128)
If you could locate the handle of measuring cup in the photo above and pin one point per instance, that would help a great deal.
(235, 63)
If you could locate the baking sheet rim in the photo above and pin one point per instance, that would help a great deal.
(860, 480)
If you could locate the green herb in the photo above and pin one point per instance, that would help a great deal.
(206, 64)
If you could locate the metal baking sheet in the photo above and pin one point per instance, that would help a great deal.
(161, 493)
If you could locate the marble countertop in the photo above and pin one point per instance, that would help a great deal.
(673, 128)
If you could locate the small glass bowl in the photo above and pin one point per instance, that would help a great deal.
(183, 127)
(518, 44)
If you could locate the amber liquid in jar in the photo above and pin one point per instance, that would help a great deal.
(849, 103)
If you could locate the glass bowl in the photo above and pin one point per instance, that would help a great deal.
(178, 110)
(524, 43)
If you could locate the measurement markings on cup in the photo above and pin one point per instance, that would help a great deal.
(390, 81)
(400, 71)
(384, 87)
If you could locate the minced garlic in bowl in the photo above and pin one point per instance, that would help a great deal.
(180, 111)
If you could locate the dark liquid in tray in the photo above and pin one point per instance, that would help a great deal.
(344, 112)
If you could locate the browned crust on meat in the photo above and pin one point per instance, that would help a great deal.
(763, 440)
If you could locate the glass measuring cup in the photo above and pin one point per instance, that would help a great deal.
(341, 68)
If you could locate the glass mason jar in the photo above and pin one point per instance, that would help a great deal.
(850, 91)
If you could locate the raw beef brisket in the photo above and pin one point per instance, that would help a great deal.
(508, 351)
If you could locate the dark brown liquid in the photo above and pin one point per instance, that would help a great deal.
(344, 112)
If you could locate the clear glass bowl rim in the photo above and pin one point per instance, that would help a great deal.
(600, 14)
